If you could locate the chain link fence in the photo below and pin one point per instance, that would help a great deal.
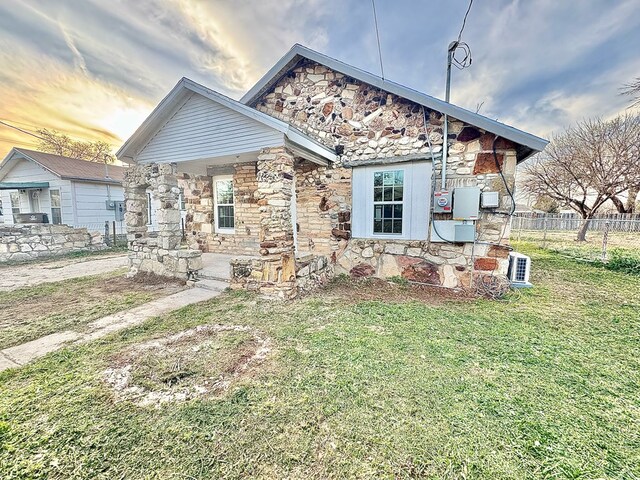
(113, 232)
(559, 232)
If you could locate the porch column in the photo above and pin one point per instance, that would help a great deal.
(275, 191)
(168, 213)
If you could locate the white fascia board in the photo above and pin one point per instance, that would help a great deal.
(297, 52)
(4, 169)
(308, 144)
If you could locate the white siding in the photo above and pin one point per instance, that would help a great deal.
(202, 129)
(27, 171)
(91, 206)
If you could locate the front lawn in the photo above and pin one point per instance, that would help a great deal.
(32, 312)
(545, 384)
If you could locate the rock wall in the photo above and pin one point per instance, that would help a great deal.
(200, 217)
(374, 126)
(162, 254)
(30, 241)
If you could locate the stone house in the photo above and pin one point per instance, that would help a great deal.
(322, 168)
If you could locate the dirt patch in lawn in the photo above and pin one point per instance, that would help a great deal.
(372, 289)
(200, 362)
(32, 312)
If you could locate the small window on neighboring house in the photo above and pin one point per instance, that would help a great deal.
(224, 204)
(15, 202)
(56, 208)
(391, 201)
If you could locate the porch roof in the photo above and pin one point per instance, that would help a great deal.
(302, 144)
(22, 185)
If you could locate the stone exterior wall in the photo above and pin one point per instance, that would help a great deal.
(374, 126)
(200, 217)
(31, 241)
(161, 254)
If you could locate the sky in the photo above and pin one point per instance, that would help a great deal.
(94, 69)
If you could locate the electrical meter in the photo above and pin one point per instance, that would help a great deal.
(442, 202)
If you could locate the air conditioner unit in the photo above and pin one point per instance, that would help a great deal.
(519, 270)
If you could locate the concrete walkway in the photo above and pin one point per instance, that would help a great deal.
(26, 275)
(21, 354)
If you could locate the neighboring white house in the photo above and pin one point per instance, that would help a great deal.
(67, 190)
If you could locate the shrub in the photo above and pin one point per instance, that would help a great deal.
(622, 261)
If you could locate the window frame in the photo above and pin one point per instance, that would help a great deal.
(52, 207)
(216, 216)
(392, 203)
(416, 200)
(16, 207)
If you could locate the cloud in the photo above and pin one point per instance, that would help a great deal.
(95, 69)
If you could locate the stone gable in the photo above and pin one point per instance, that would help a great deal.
(367, 121)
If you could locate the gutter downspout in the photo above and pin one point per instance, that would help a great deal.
(445, 128)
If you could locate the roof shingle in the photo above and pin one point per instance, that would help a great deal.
(74, 168)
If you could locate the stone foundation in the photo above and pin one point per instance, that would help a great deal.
(31, 241)
(441, 264)
(161, 253)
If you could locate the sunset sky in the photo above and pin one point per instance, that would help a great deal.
(94, 69)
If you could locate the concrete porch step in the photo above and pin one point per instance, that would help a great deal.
(212, 276)
(212, 284)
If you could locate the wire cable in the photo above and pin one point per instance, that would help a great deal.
(375, 21)
(464, 20)
(20, 130)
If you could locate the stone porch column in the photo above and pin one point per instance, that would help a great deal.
(275, 191)
(168, 212)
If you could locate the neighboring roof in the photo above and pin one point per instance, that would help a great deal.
(531, 143)
(169, 104)
(65, 167)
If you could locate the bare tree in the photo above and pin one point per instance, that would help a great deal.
(61, 144)
(633, 89)
(585, 167)
(624, 143)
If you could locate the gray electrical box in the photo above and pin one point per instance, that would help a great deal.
(111, 204)
(442, 202)
(465, 233)
(119, 208)
(490, 200)
(466, 203)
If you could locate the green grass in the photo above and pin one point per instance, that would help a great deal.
(32, 312)
(545, 384)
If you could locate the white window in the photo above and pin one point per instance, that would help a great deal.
(56, 209)
(391, 201)
(224, 204)
(15, 202)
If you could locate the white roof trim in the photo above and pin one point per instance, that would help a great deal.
(16, 155)
(161, 114)
(297, 52)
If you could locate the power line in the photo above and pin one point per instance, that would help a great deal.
(21, 130)
(464, 20)
(375, 21)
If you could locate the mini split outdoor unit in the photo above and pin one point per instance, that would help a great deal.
(519, 270)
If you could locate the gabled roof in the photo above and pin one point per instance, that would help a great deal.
(530, 143)
(65, 167)
(169, 105)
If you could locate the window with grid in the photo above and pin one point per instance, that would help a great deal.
(388, 202)
(224, 204)
(56, 209)
(15, 202)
